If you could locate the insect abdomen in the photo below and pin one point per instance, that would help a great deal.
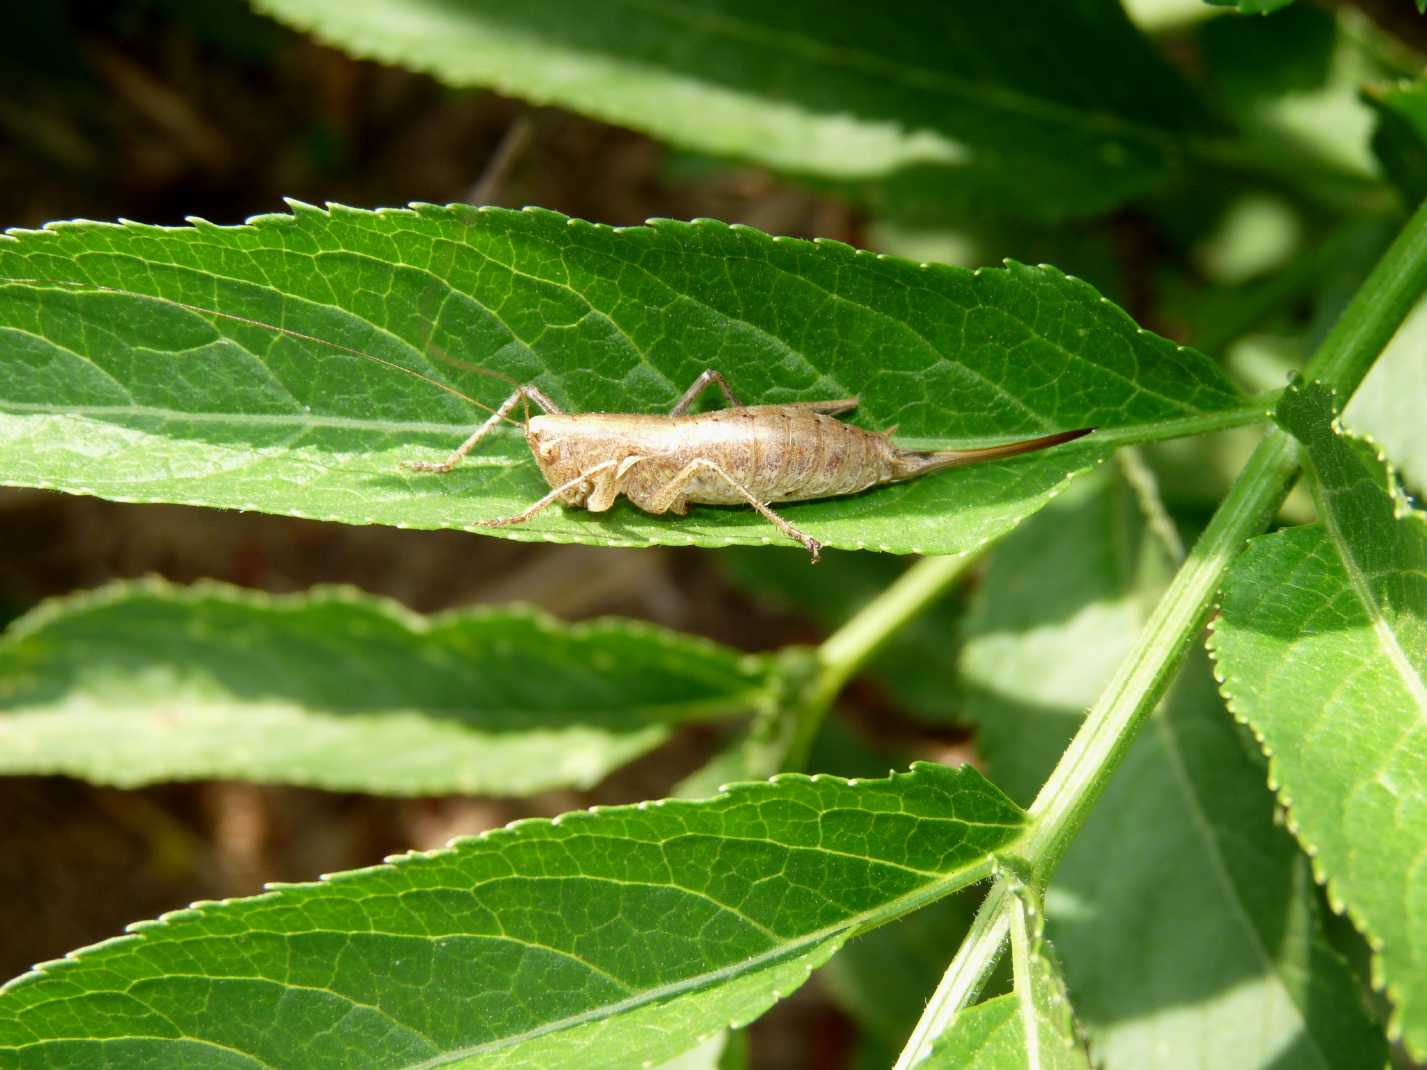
(781, 454)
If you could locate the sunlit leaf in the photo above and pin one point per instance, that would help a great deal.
(143, 682)
(138, 398)
(1181, 872)
(600, 940)
(1322, 649)
(1030, 1028)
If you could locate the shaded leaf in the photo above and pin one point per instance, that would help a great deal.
(1181, 871)
(1060, 605)
(601, 939)
(944, 108)
(140, 399)
(1184, 873)
(916, 665)
(1247, 61)
(1322, 649)
(141, 682)
(1252, 7)
(882, 979)
(1400, 137)
(1388, 405)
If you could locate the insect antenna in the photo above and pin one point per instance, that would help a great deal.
(290, 333)
(465, 365)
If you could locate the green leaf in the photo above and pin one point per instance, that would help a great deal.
(1400, 137)
(600, 939)
(141, 399)
(915, 666)
(1184, 871)
(1251, 7)
(140, 682)
(1061, 603)
(882, 979)
(1030, 1028)
(1322, 649)
(712, 1054)
(1248, 62)
(1181, 868)
(945, 108)
(1388, 406)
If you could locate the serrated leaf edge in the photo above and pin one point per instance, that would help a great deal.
(207, 589)
(1401, 510)
(655, 225)
(811, 945)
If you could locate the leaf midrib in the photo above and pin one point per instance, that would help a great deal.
(1130, 433)
(802, 945)
(299, 420)
(1412, 681)
(789, 950)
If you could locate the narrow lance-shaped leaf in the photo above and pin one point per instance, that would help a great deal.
(1322, 649)
(1181, 870)
(144, 399)
(143, 682)
(945, 107)
(601, 939)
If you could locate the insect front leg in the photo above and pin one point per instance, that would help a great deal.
(664, 498)
(706, 378)
(550, 499)
(503, 413)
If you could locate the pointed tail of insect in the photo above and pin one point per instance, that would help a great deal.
(907, 464)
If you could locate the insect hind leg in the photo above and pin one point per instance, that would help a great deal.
(666, 497)
(503, 413)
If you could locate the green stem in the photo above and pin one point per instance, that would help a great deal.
(844, 652)
(1064, 803)
(1256, 410)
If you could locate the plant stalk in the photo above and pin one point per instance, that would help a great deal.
(849, 648)
(1341, 361)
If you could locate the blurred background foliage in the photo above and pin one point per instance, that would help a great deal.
(159, 109)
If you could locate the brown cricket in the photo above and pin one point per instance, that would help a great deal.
(742, 455)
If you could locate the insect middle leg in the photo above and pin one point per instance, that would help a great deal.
(664, 498)
(507, 406)
(706, 378)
